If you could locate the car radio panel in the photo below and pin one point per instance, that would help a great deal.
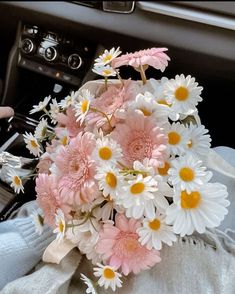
(54, 55)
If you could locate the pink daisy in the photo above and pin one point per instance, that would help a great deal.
(154, 57)
(68, 121)
(120, 247)
(140, 138)
(76, 169)
(47, 198)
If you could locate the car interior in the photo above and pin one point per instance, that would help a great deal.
(48, 48)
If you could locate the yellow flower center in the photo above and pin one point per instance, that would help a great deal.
(145, 112)
(162, 101)
(105, 153)
(106, 72)
(181, 94)
(174, 138)
(61, 227)
(107, 58)
(163, 170)
(84, 106)
(108, 273)
(17, 180)
(137, 188)
(64, 140)
(33, 143)
(190, 144)
(186, 174)
(111, 180)
(155, 224)
(190, 200)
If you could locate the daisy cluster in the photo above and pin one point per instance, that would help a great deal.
(125, 171)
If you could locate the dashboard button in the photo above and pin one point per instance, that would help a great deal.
(27, 46)
(74, 61)
(50, 54)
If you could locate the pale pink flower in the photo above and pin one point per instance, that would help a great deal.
(140, 138)
(44, 165)
(47, 198)
(154, 57)
(109, 101)
(51, 147)
(77, 170)
(69, 121)
(119, 246)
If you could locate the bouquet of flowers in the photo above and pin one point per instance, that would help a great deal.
(125, 170)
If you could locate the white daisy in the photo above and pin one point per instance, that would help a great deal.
(60, 225)
(41, 105)
(107, 151)
(203, 207)
(178, 138)
(63, 136)
(54, 111)
(145, 104)
(183, 93)
(187, 173)
(144, 167)
(107, 56)
(38, 221)
(161, 98)
(162, 169)
(138, 197)
(199, 140)
(105, 71)
(163, 191)
(90, 285)
(41, 129)
(109, 277)
(155, 232)
(32, 144)
(83, 105)
(158, 90)
(16, 182)
(69, 100)
(109, 179)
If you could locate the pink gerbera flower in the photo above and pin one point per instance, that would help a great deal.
(119, 246)
(109, 101)
(76, 169)
(140, 138)
(154, 57)
(69, 121)
(47, 198)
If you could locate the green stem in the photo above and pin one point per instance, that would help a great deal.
(142, 74)
(123, 165)
(135, 172)
(119, 77)
(104, 114)
(47, 112)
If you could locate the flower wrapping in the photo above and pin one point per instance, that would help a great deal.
(126, 170)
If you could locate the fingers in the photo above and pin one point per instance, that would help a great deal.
(6, 111)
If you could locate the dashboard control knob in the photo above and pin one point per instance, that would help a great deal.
(50, 54)
(27, 46)
(74, 61)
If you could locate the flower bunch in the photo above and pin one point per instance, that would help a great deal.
(125, 170)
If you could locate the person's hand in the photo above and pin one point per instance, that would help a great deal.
(6, 111)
